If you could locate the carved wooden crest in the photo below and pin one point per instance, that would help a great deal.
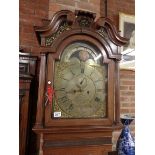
(65, 23)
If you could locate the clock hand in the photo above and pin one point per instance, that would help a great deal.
(81, 81)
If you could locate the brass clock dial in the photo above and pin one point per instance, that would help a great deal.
(80, 83)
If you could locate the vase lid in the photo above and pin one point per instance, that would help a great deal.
(126, 119)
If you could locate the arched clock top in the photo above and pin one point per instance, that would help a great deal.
(106, 28)
(58, 23)
(65, 24)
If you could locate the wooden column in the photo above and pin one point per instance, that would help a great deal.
(117, 94)
(41, 94)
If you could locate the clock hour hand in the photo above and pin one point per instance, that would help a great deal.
(83, 83)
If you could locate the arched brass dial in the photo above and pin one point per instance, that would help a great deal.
(80, 84)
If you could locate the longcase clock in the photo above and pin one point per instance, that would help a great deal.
(78, 95)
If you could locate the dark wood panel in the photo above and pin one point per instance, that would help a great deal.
(93, 150)
(80, 142)
(23, 115)
(113, 153)
(27, 63)
(26, 75)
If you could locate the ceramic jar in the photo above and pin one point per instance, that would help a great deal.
(126, 142)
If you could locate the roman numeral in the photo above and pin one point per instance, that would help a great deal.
(98, 80)
(97, 99)
(63, 99)
(82, 70)
(99, 90)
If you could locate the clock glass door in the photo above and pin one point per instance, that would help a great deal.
(80, 83)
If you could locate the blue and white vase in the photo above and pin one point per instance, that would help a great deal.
(126, 142)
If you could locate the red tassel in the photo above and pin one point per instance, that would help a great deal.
(50, 93)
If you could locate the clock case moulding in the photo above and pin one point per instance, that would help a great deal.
(65, 28)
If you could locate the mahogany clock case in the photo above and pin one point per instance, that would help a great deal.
(74, 40)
